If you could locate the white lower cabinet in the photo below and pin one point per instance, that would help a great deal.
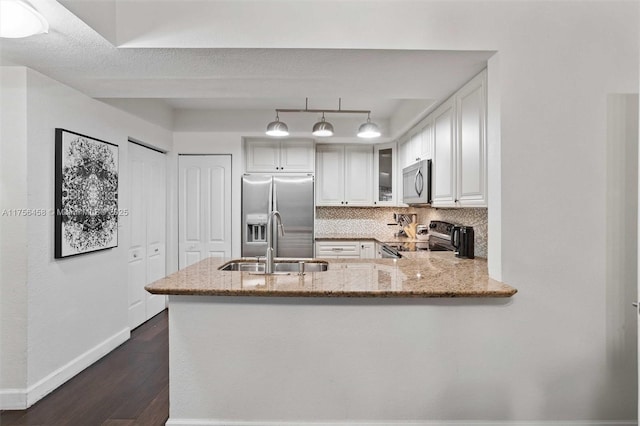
(346, 249)
(367, 250)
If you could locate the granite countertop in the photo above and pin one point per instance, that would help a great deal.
(424, 274)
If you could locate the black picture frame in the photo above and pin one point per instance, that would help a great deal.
(86, 194)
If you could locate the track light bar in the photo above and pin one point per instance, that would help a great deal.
(332, 111)
(323, 128)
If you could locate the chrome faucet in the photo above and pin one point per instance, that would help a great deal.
(268, 264)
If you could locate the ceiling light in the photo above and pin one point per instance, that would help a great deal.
(277, 128)
(322, 128)
(18, 19)
(368, 130)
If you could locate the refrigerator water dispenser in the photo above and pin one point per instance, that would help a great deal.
(256, 228)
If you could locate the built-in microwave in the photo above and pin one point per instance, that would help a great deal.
(416, 183)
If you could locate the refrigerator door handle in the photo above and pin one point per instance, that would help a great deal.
(274, 201)
(274, 207)
(280, 225)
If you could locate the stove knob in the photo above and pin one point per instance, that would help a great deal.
(432, 225)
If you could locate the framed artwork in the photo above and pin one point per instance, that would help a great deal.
(86, 194)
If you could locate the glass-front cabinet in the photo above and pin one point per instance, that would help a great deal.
(385, 174)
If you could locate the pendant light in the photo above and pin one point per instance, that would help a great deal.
(369, 130)
(18, 19)
(277, 128)
(322, 128)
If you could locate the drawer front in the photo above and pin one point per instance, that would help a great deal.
(340, 249)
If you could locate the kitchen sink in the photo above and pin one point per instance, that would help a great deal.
(279, 267)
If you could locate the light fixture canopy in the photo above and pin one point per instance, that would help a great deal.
(18, 19)
(322, 128)
(368, 130)
(277, 128)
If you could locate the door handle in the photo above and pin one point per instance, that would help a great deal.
(634, 304)
(420, 187)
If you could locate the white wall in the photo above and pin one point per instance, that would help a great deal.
(558, 62)
(13, 236)
(155, 111)
(621, 248)
(77, 307)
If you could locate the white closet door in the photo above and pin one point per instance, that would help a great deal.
(137, 264)
(156, 228)
(204, 222)
(147, 231)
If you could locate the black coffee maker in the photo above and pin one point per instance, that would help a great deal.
(462, 240)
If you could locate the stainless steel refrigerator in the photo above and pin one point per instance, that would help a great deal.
(292, 196)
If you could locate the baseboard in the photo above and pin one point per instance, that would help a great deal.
(13, 399)
(199, 422)
(43, 387)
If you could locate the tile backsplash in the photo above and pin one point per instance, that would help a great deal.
(374, 221)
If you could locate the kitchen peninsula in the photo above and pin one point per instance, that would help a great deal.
(367, 340)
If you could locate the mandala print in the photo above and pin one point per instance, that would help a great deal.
(89, 195)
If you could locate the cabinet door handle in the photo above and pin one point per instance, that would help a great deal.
(346, 202)
(634, 304)
(337, 249)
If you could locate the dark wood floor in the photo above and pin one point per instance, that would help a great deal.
(130, 386)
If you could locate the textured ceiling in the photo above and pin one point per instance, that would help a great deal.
(221, 78)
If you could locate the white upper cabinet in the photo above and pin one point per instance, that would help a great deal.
(454, 137)
(426, 151)
(471, 179)
(418, 144)
(297, 156)
(344, 175)
(286, 156)
(443, 171)
(358, 175)
(263, 155)
(459, 176)
(329, 175)
(385, 175)
(414, 147)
